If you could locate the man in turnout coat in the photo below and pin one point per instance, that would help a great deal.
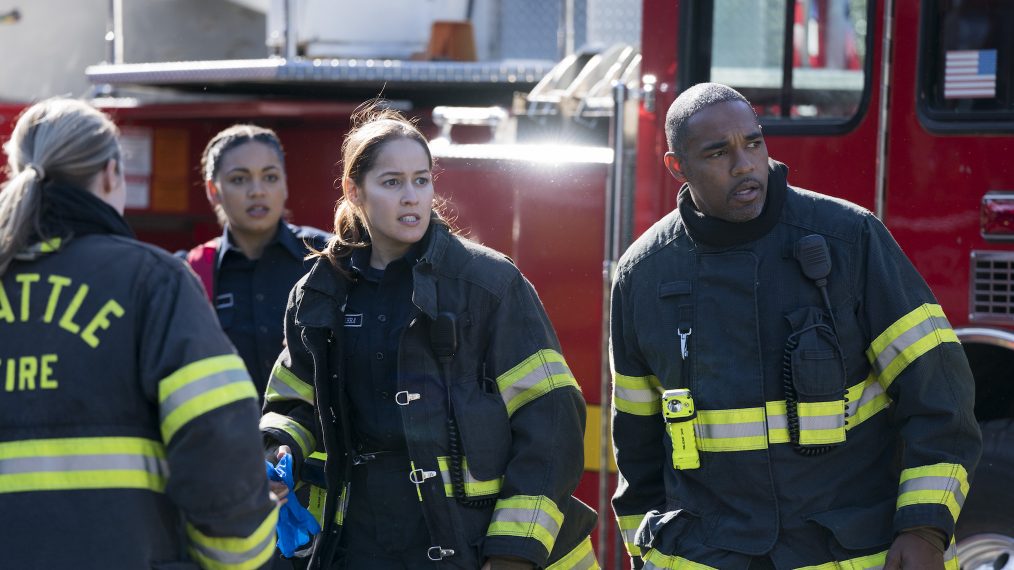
(787, 391)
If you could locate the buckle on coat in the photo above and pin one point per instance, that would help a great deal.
(438, 553)
(405, 397)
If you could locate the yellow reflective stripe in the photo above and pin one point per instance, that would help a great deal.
(82, 463)
(32, 251)
(473, 487)
(50, 245)
(581, 558)
(911, 336)
(637, 395)
(778, 422)
(283, 385)
(821, 422)
(749, 429)
(315, 504)
(539, 374)
(628, 530)
(868, 562)
(940, 484)
(655, 560)
(235, 553)
(741, 429)
(527, 516)
(200, 387)
(865, 400)
(302, 436)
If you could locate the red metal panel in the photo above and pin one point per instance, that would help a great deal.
(935, 182)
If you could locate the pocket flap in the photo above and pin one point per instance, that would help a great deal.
(859, 528)
(484, 427)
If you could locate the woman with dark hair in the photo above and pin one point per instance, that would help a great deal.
(248, 270)
(128, 426)
(423, 370)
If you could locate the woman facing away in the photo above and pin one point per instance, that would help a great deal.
(128, 427)
(423, 370)
(249, 270)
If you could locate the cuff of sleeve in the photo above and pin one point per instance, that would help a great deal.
(274, 437)
(916, 516)
(515, 547)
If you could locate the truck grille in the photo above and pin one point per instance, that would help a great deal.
(992, 291)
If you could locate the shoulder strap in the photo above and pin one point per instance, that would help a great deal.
(202, 261)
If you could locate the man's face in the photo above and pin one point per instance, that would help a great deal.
(726, 163)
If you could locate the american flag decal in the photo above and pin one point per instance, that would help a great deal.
(970, 74)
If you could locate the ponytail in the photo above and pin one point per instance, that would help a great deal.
(20, 205)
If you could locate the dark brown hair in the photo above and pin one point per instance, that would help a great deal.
(373, 125)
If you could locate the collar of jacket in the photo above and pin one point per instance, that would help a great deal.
(285, 236)
(715, 232)
(325, 288)
(68, 211)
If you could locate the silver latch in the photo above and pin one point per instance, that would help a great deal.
(405, 397)
(418, 476)
(438, 553)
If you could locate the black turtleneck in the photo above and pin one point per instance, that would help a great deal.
(720, 233)
(68, 211)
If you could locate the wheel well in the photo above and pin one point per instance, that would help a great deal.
(993, 369)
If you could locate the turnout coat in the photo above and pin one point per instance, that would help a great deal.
(822, 428)
(517, 406)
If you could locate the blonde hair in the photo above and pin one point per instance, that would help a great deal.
(63, 140)
(373, 125)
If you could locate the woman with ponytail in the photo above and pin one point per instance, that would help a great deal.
(423, 392)
(127, 423)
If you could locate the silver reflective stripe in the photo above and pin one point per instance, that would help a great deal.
(724, 431)
(931, 483)
(951, 553)
(285, 391)
(524, 516)
(200, 387)
(112, 462)
(870, 391)
(779, 421)
(821, 422)
(234, 558)
(907, 339)
(587, 562)
(642, 396)
(537, 375)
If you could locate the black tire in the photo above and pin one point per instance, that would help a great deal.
(989, 508)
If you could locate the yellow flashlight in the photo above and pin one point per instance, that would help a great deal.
(679, 412)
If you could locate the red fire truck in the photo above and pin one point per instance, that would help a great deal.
(903, 106)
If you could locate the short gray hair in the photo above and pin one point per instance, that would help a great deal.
(688, 104)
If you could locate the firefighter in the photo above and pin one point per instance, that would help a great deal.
(452, 426)
(129, 434)
(787, 391)
(248, 270)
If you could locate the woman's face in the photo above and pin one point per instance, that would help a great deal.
(250, 187)
(395, 199)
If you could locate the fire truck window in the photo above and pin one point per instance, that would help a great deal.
(828, 51)
(969, 59)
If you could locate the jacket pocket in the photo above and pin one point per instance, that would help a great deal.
(859, 528)
(663, 531)
(484, 428)
(818, 370)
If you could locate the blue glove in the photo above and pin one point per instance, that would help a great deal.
(295, 524)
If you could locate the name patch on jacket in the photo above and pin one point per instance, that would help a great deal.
(354, 320)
